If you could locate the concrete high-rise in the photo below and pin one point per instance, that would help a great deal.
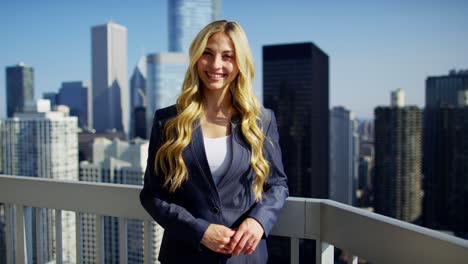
(138, 99)
(109, 77)
(187, 18)
(77, 96)
(165, 75)
(123, 163)
(296, 88)
(51, 152)
(398, 161)
(19, 87)
(344, 156)
(441, 92)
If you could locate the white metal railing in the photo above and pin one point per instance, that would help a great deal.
(376, 238)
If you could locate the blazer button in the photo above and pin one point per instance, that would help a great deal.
(215, 210)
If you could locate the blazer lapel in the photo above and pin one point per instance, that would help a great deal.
(237, 153)
(198, 149)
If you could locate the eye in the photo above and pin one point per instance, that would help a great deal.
(206, 52)
(228, 56)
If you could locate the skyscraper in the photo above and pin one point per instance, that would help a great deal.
(295, 87)
(19, 87)
(52, 97)
(344, 155)
(453, 134)
(441, 92)
(187, 18)
(123, 163)
(138, 99)
(51, 152)
(165, 75)
(139, 120)
(77, 96)
(109, 77)
(398, 159)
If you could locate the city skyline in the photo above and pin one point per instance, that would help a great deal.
(374, 48)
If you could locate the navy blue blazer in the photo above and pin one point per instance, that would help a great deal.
(186, 213)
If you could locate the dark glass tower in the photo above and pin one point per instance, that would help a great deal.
(295, 87)
(19, 87)
(78, 97)
(397, 189)
(453, 166)
(441, 92)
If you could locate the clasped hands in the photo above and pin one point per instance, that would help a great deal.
(225, 240)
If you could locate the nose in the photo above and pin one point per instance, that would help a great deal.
(217, 62)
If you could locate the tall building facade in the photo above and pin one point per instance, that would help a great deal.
(51, 152)
(52, 97)
(344, 156)
(165, 75)
(19, 87)
(138, 100)
(123, 163)
(398, 161)
(441, 94)
(295, 87)
(77, 96)
(187, 18)
(109, 77)
(453, 165)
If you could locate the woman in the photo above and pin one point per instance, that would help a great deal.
(214, 179)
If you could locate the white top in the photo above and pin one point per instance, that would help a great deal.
(219, 155)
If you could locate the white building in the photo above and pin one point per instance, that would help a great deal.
(166, 72)
(43, 143)
(123, 163)
(344, 155)
(109, 77)
(187, 18)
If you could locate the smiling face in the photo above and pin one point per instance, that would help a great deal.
(217, 67)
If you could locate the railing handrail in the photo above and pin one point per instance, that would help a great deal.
(369, 235)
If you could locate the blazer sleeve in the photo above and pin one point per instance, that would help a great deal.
(276, 188)
(155, 199)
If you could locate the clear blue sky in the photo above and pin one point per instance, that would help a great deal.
(374, 46)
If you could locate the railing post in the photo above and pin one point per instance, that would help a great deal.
(39, 223)
(148, 241)
(58, 237)
(123, 240)
(324, 252)
(20, 234)
(100, 252)
(78, 238)
(9, 234)
(294, 250)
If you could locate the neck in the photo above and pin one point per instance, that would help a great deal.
(217, 102)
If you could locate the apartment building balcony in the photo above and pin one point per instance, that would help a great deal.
(373, 237)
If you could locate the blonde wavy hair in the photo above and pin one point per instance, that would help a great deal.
(178, 130)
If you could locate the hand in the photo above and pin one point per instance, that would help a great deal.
(247, 237)
(217, 238)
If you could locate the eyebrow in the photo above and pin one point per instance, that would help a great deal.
(224, 52)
